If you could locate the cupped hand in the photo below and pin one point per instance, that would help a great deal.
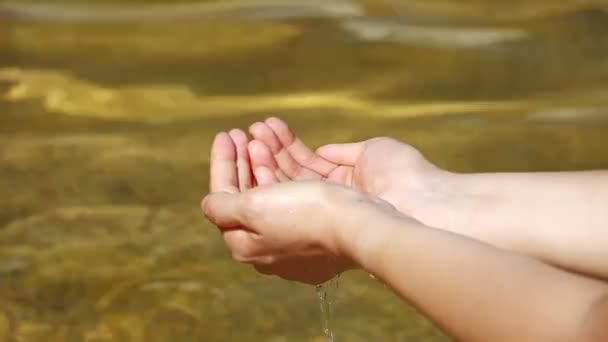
(383, 167)
(285, 229)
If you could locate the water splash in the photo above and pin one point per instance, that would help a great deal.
(327, 295)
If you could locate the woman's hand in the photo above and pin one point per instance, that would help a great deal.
(310, 231)
(288, 229)
(557, 217)
(382, 167)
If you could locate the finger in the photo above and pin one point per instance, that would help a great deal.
(265, 176)
(281, 176)
(301, 153)
(342, 175)
(242, 244)
(261, 156)
(262, 132)
(223, 171)
(223, 210)
(342, 154)
(243, 164)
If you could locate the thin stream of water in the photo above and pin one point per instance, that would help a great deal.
(327, 295)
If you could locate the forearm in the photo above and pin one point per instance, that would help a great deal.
(561, 218)
(473, 291)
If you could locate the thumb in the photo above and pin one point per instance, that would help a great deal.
(223, 209)
(342, 154)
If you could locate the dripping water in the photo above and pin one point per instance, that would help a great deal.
(327, 295)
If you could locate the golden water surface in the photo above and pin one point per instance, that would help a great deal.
(108, 109)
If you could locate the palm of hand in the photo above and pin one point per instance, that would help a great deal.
(230, 172)
(397, 173)
(382, 167)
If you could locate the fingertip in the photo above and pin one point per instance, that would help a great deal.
(274, 120)
(262, 132)
(257, 129)
(223, 209)
(343, 154)
(222, 169)
(207, 206)
(238, 136)
(221, 139)
(281, 129)
(221, 135)
(324, 150)
(204, 205)
(223, 146)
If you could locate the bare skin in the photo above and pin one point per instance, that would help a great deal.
(475, 292)
(560, 218)
(230, 173)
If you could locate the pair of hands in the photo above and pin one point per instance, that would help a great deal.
(279, 204)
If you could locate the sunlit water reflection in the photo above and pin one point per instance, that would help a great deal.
(106, 119)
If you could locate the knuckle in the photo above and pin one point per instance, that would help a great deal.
(308, 159)
(239, 256)
(267, 260)
(240, 246)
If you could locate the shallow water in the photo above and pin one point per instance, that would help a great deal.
(105, 127)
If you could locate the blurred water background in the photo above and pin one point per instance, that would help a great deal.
(108, 109)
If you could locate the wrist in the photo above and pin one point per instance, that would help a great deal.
(445, 202)
(363, 230)
(465, 207)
